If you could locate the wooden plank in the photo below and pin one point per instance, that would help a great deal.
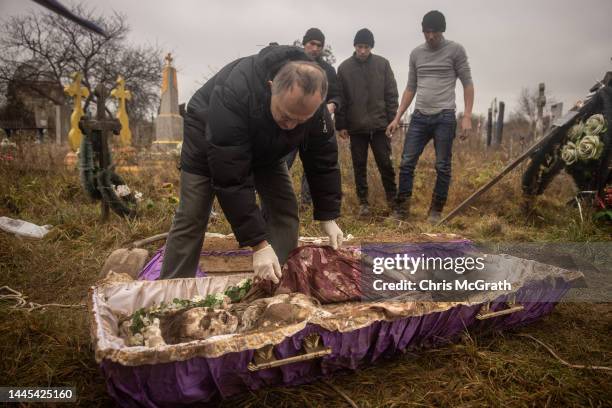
(566, 119)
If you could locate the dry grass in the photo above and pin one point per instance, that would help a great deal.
(491, 369)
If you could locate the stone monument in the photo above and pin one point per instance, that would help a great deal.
(169, 123)
(556, 111)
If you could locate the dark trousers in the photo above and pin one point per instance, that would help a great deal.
(305, 193)
(186, 236)
(441, 127)
(381, 147)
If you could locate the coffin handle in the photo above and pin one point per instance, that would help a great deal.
(486, 312)
(264, 357)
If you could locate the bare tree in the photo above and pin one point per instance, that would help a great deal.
(44, 47)
(328, 55)
(527, 104)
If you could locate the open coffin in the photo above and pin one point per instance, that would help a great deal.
(327, 337)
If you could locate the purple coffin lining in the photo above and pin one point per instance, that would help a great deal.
(202, 379)
(450, 248)
(152, 269)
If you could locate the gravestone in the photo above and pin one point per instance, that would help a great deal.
(556, 111)
(499, 129)
(540, 103)
(169, 123)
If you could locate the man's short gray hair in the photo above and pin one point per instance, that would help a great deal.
(309, 76)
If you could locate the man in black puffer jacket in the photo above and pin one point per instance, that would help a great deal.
(238, 128)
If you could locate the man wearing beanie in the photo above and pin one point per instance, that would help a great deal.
(434, 69)
(314, 43)
(369, 94)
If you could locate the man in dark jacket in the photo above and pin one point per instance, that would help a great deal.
(314, 43)
(369, 96)
(238, 128)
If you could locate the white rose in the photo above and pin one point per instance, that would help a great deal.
(122, 190)
(589, 148)
(595, 125)
(219, 298)
(576, 132)
(569, 154)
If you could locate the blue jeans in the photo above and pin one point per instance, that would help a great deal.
(441, 127)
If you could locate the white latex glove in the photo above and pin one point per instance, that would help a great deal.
(265, 264)
(331, 229)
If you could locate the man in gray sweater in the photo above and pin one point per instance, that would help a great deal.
(434, 69)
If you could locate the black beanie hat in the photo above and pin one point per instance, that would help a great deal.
(364, 36)
(434, 21)
(313, 34)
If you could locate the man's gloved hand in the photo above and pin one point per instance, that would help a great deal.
(265, 264)
(331, 229)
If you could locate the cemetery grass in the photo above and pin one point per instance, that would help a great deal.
(52, 347)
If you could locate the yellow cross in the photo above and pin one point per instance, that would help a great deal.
(77, 92)
(122, 94)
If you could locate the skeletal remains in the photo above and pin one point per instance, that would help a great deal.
(197, 323)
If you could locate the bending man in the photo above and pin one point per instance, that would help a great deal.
(238, 128)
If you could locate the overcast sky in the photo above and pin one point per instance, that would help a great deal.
(510, 44)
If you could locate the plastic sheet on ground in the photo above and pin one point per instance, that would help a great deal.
(23, 228)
